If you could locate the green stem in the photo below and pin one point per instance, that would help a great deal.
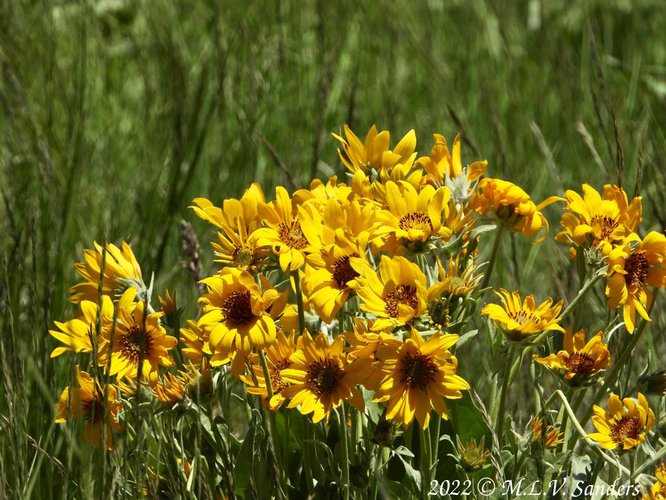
(299, 302)
(345, 450)
(493, 256)
(435, 438)
(499, 423)
(272, 426)
(426, 458)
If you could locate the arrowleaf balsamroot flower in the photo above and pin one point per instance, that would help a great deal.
(522, 319)
(139, 341)
(418, 376)
(96, 405)
(412, 216)
(633, 267)
(658, 490)
(374, 152)
(512, 206)
(283, 232)
(395, 295)
(237, 220)
(599, 220)
(551, 438)
(329, 276)
(236, 314)
(278, 359)
(445, 168)
(77, 333)
(624, 425)
(121, 270)
(321, 377)
(578, 362)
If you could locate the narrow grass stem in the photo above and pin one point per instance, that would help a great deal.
(493, 257)
(499, 423)
(345, 450)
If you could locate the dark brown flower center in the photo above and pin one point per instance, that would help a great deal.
(343, 272)
(135, 344)
(636, 267)
(237, 307)
(402, 294)
(626, 427)
(416, 220)
(417, 370)
(292, 235)
(607, 225)
(324, 376)
(580, 362)
(93, 409)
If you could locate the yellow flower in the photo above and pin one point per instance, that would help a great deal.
(578, 362)
(418, 376)
(624, 425)
(284, 233)
(658, 490)
(95, 404)
(277, 359)
(364, 345)
(173, 388)
(321, 377)
(395, 295)
(445, 169)
(551, 438)
(195, 340)
(237, 220)
(77, 333)
(522, 319)
(596, 220)
(121, 270)
(138, 338)
(473, 456)
(374, 153)
(329, 276)
(633, 267)
(413, 217)
(170, 309)
(320, 194)
(237, 315)
(512, 206)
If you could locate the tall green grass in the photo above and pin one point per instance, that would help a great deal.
(115, 114)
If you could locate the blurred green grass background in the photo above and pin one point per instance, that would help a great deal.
(115, 114)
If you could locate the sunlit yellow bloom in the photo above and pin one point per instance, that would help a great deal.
(633, 267)
(512, 206)
(418, 376)
(138, 339)
(121, 270)
(445, 169)
(237, 220)
(237, 315)
(413, 217)
(283, 233)
(658, 490)
(321, 378)
(364, 345)
(578, 362)
(395, 294)
(599, 220)
(552, 436)
(95, 404)
(455, 281)
(374, 153)
(522, 319)
(320, 194)
(277, 359)
(195, 339)
(624, 425)
(329, 276)
(170, 309)
(78, 333)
